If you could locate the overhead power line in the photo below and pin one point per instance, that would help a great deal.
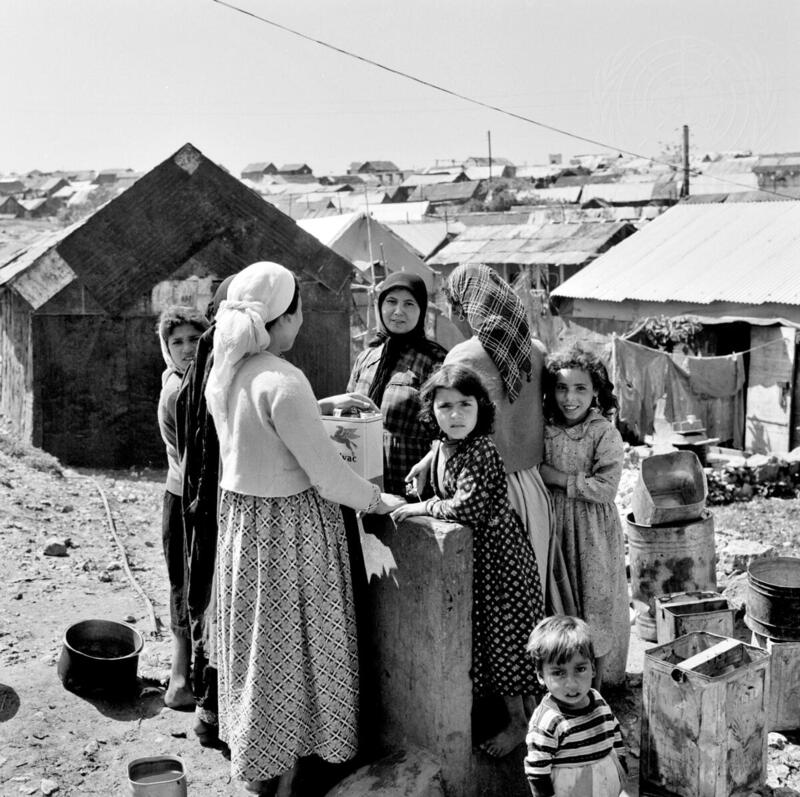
(436, 87)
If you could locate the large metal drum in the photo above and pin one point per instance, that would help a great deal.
(669, 558)
(773, 598)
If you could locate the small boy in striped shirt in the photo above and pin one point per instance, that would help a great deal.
(574, 741)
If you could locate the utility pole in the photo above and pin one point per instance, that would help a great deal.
(489, 137)
(685, 187)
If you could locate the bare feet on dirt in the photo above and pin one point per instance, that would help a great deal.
(507, 740)
(178, 696)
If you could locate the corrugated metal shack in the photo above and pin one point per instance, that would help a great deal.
(80, 364)
(733, 267)
(550, 252)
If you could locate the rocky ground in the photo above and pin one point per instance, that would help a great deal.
(60, 564)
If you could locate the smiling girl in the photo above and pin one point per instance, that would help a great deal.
(582, 467)
(469, 481)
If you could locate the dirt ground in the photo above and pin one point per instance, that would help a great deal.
(53, 741)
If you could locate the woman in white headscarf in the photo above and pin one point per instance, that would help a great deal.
(287, 655)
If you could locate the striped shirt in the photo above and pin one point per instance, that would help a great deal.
(562, 736)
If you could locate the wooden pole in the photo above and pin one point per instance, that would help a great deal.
(685, 188)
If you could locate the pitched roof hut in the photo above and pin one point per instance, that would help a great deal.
(80, 363)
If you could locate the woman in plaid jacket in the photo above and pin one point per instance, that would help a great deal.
(392, 371)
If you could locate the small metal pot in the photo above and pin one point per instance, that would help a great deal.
(157, 776)
(100, 655)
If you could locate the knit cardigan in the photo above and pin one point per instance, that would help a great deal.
(274, 443)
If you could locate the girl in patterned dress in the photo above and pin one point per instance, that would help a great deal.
(582, 466)
(469, 481)
(286, 635)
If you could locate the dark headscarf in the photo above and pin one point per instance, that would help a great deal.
(497, 316)
(396, 345)
(219, 296)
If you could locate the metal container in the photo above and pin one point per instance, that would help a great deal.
(680, 613)
(671, 489)
(665, 559)
(784, 679)
(100, 655)
(704, 718)
(157, 776)
(773, 598)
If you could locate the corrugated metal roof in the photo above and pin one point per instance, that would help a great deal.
(446, 192)
(569, 193)
(431, 178)
(625, 193)
(358, 200)
(701, 253)
(33, 204)
(539, 172)
(260, 166)
(531, 244)
(485, 172)
(399, 211)
(778, 195)
(780, 161)
(722, 182)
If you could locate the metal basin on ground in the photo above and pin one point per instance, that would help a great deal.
(100, 655)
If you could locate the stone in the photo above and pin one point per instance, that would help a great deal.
(735, 593)
(742, 552)
(791, 757)
(411, 773)
(778, 775)
(776, 740)
(55, 547)
(91, 749)
(48, 786)
(767, 473)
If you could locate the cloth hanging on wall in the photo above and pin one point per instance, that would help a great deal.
(711, 388)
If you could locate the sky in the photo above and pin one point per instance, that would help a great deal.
(94, 84)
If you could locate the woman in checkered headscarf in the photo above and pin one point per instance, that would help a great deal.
(500, 348)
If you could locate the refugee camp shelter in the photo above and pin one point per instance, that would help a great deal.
(424, 237)
(363, 241)
(80, 364)
(550, 252)
(733, 267)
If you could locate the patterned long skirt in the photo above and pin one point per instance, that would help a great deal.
(286, 636)
(507, 603)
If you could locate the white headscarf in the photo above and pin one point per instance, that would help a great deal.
(257, 295)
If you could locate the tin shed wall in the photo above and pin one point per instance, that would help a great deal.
(16, 383)
(97, 381)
